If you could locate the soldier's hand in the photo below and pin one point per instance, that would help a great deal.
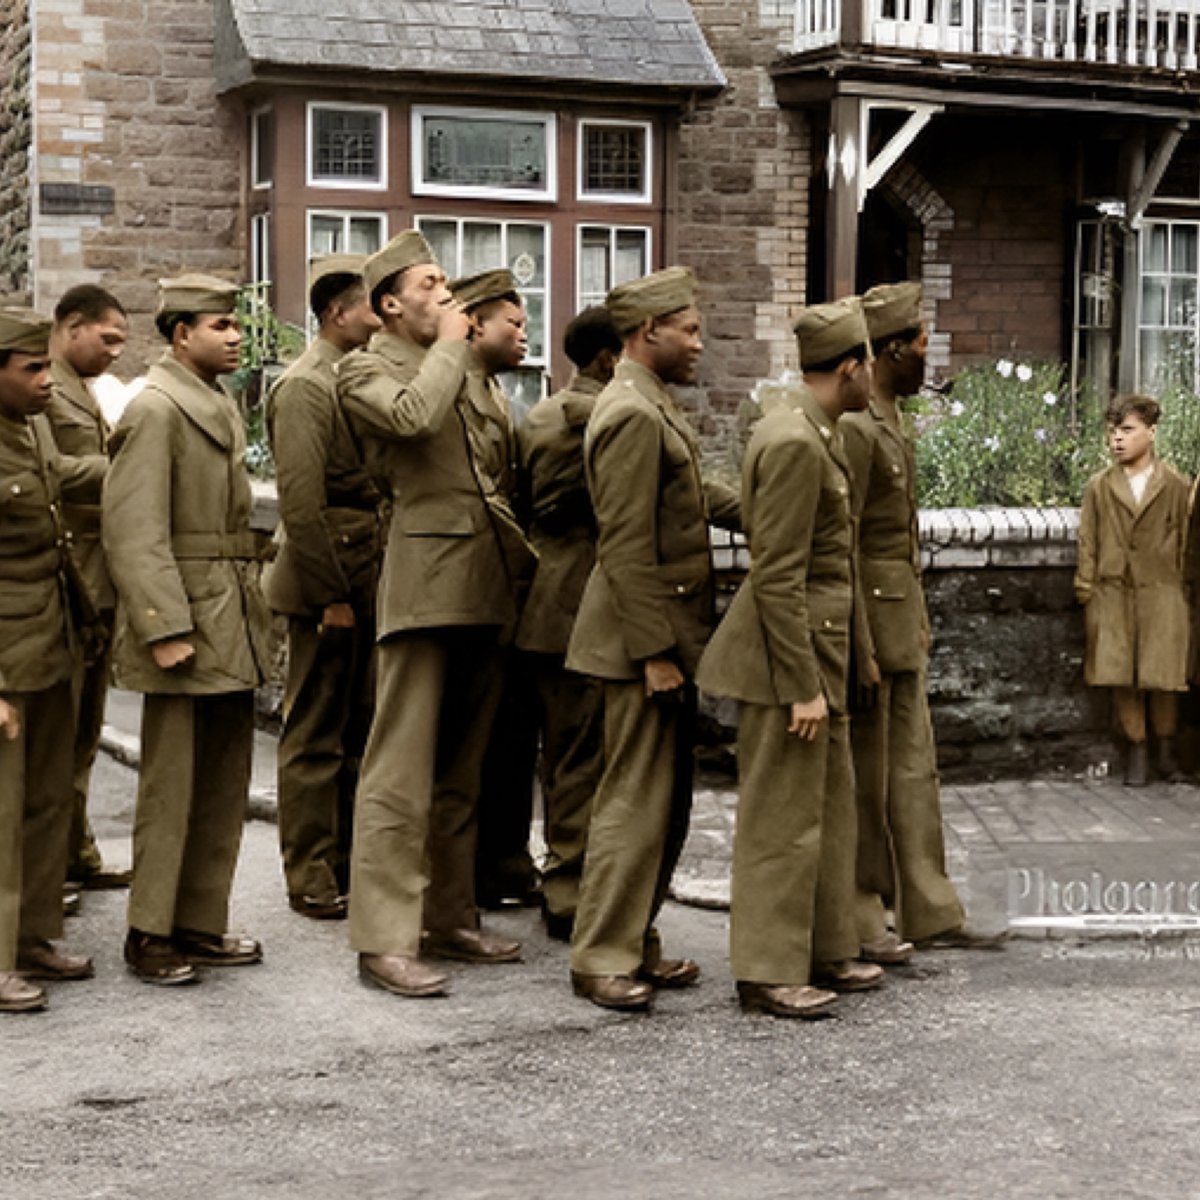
(10, 721)
(336, 616)
(806, 718)
(661, 675)
(453, 325)
(172, 653)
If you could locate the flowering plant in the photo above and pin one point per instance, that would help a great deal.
(1007, 433)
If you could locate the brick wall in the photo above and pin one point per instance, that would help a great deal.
(1009, 191)
(743, 211)
(15, 136)
(126, 101)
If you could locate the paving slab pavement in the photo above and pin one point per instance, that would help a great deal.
(1067, 855)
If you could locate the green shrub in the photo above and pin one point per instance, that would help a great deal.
(1007, 433)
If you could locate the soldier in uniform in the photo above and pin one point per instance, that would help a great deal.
(37, 661)
(504, 870)
(783, 650)
(90, 329)
(445, 597)
(562, 527)
(323, 580)
(901, 856)
(646, 613)
(193, 633)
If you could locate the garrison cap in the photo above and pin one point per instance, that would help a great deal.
(407, 249)
(334, 264)
(826, 332)
(196, 294)
(655, 295)
(473, 290)
(892, 308)
(24, 330)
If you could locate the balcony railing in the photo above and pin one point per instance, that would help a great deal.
(1133, 33)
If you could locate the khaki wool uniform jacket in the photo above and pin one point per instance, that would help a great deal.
(80, 429)
(786, 637)
(883, 484)
(328, 505)
(652, 592)
(562, 525)
(176, 529)
(1130, 577)
(454, 549)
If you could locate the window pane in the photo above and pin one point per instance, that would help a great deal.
(630, 259)
(1154, 302)
(477, 152)
(366, 235)
(614, 159)
(525, 387)
(264, 147)
(527, 254)
(593, 266)
(1183, 249)
(325, 236)
(535, 311)
(346, 144)
(1156, 248)
(1183, 302)
(480, 247)
(442, 237)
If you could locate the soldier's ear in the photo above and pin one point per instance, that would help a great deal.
(389, 305)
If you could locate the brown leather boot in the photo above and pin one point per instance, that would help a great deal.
(1137, 765)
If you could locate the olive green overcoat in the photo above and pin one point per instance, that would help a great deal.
(1130, 577)
(562, 525)
(176, 530)
(331, 538)
(786, 637)
(81, 429)
(651, 592)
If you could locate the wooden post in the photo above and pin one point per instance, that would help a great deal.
(843, 167)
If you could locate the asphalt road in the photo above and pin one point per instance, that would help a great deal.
(1050, 1069)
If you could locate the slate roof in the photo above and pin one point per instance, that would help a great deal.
(634, 43)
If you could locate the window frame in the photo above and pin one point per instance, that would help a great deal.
(613, 230)
(1167, 276)
(334, 182)
(346, 215)
(598, 197)
(419, 186)
(256, 114)
(260, 247)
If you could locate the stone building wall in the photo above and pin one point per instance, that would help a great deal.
(15, 140)
(138, 166)
(743, 184)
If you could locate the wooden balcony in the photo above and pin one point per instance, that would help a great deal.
(1140, 34)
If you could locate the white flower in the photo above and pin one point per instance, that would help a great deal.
(992, 443)
(1004, 367)
(1041, 435)
(1024, 373)
(1049, 399)
(957, 408)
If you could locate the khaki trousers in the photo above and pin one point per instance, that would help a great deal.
(638, 827)
(792, 903)
(326, 719)
(901, 851)
(571, 764)
(191, 807)
(35, 819)
(91, 685)
(413, 858)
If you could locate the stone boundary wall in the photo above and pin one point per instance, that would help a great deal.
(1006, 681)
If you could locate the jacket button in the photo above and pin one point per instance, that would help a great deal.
(152, 612)
(680, 588)
(876, 592)
(16, 489)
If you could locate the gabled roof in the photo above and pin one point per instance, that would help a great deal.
(654, 44)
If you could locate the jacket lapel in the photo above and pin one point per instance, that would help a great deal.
(209, 408)
(79, 396)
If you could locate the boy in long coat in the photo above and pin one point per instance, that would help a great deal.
(1132, 540)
